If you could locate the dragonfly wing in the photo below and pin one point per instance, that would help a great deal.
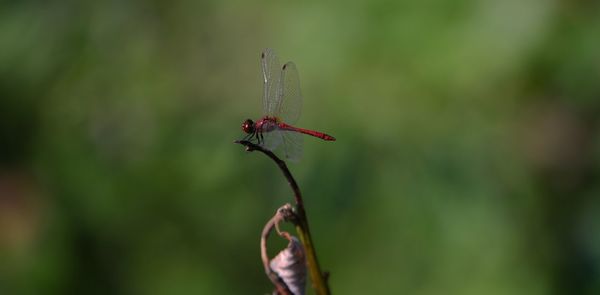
(271, 70)
(290, 107)
(292, 145)
(272, 140)
(287, 144)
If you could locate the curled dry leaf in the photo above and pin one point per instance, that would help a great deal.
(290, 265)
(288, 269)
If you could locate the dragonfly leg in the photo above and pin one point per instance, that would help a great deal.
(261, 138)
(252, 136)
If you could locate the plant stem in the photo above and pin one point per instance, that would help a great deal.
(318, 278)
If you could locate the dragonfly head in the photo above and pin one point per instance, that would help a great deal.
(248, 126)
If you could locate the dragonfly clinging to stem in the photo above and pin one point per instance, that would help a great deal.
(282, 105)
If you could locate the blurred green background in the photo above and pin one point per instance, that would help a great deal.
(467, 159)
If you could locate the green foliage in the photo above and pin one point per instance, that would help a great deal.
(466, 163)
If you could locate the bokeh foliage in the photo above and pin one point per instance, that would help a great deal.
(467, 157)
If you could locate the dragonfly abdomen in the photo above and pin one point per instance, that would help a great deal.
(317, 134)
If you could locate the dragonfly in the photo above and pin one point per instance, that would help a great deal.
(282, 106)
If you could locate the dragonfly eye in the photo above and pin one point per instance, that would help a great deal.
(248, 126)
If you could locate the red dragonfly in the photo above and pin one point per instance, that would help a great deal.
(282, 104)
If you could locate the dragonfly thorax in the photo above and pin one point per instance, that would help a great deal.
(266, 124)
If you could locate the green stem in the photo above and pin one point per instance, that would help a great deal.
(316, 276)
(319, 280)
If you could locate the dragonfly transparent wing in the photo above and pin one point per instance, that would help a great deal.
(287, 144)
(271, 70)
(282, 99)
(290, 105)
(272, 140)
(292, 145)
